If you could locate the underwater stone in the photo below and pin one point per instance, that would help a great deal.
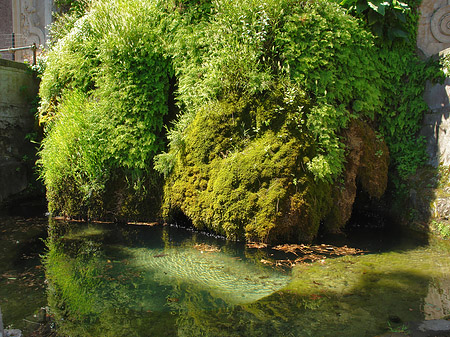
(431, 328)
(8, 333)
(435, 325)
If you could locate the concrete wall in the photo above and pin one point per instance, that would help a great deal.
(18, 88)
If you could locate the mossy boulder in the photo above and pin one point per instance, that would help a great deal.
(243, 179)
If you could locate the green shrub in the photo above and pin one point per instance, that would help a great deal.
(248, 46)
(104, 97)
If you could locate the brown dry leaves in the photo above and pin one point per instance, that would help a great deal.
(311, 253)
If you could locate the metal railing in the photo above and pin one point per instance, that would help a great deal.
(12, 50)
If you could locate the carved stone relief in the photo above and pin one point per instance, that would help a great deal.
(433, 33)
(440, 24)
(31, 19)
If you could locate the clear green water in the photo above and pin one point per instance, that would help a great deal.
(22, 287)
(109, 280)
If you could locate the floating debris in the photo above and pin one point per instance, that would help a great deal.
(151, 224)
(267, 262)
(318, 249)
(313, 253)
(160, 255)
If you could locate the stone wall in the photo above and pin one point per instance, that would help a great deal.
(433, 40)
(18, 88)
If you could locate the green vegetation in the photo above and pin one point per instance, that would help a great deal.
(103, 105)
(260, 120)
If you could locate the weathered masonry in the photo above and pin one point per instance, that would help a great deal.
(433, 40)
(24, 23)
(18, 89)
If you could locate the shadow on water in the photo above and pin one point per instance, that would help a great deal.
(108, 280)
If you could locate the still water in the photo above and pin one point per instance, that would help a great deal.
(111, 280)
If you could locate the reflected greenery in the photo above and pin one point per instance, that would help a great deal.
(150, 281)
(101, 276)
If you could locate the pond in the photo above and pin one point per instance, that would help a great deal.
(114, 280)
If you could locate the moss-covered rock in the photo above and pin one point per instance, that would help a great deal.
(260, 150)
(241, 178)
(237, 176)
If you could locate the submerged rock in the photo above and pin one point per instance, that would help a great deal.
(8, 332)
(13, 333)
(431, 328)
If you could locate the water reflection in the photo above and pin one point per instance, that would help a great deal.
(154, 275)
(113, 281)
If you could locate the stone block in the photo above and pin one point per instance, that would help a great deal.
(431, 328)
(436, 131)
(437, 95)
(18, 88)
(13, 333)
(433, 33)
